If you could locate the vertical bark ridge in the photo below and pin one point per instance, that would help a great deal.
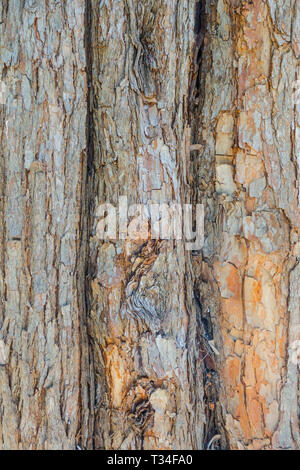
(141, 344)
(249, 267)
(43, 159)
(143, 319)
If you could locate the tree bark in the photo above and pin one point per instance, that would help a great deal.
(43, 400)
(143, 318)
(142, 344)
(248, 176)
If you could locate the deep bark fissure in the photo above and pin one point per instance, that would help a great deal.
(214, 434)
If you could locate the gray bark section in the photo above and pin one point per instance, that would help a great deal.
(43, 154)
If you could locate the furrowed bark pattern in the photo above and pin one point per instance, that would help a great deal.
(141, 344)
(247, 177)
(43, 144)
(142, 320)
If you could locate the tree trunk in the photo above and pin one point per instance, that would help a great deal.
(139, 343)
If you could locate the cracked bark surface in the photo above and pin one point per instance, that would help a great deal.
(143, 318)
(106, 345)
(43, 399)
(248, 176)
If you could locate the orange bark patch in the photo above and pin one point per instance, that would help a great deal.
(233, 312)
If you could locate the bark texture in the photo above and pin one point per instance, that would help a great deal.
(43, 159)
(131, 344)
(143, 318)
(248, 176)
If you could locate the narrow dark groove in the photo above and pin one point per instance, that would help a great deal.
(199, 31)
(88, 210)
(89, 71)
(205, 329)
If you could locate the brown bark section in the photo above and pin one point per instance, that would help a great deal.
(143, 318)
(248, 176)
